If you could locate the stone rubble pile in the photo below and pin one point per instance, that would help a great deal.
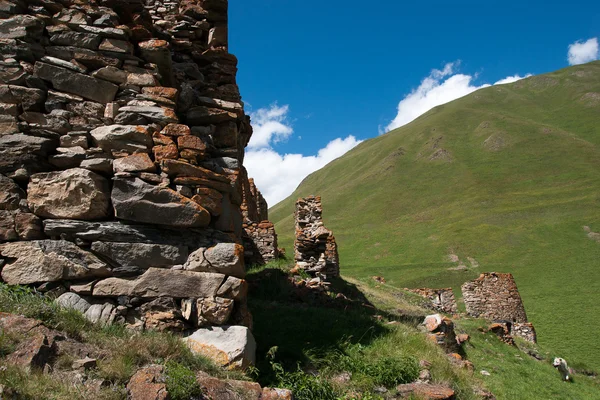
(36, 348)
(260, 239)
(315, 248)
(122, 136)
(440, 330)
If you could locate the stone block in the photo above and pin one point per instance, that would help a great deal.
(76, 83)
(48, 261)
(233, 347)
(75, 194)
(136, 200)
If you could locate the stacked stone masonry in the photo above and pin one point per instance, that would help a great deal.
(260, 239)
(122, 136)
(494, 296)
(441, 300)
(315, 249)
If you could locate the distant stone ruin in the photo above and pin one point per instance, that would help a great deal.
(494, 296)
(315, 249)
(260, 239)
(441, 300)
(122, 135)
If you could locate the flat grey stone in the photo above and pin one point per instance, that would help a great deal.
(76, 83)
(136, 200)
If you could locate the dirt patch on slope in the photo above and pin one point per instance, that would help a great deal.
(591, 99)
(496, 141)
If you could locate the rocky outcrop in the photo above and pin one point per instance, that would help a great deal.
(494, 296)
(122, 137)
(148, 383)
(37, 345)
(260, 239)
(315, 246)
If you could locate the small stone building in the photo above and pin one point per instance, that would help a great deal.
(494, 296)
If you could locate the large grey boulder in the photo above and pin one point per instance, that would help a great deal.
(75, 83)
(156, 282)
(127, 138)
(48, 261)
(75, 193)
(233, 347)
(141, 255)
(135, 200)
(224, 258)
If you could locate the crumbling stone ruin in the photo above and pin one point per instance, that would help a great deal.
(524, 330)
(122, 135)
(441, 300)
(494, 296)
(260, 239)
(315, 249)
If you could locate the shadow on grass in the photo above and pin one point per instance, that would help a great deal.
(306, 324)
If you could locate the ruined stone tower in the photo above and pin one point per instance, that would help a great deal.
(260, 239)
(315, 248)
(122, 136)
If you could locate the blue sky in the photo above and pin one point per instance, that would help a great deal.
(312, 72)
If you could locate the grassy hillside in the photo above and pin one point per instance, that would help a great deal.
(508, 176)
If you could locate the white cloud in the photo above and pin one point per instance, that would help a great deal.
(583, 52)
(270, 125)
(277, 175)
(440, 87)
(511, 79)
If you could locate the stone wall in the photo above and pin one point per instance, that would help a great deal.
(441, 300)
(122, 135)
(260, 239)
(315, 249)
(494, 296)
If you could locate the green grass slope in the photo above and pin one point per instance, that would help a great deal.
(508, 176)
